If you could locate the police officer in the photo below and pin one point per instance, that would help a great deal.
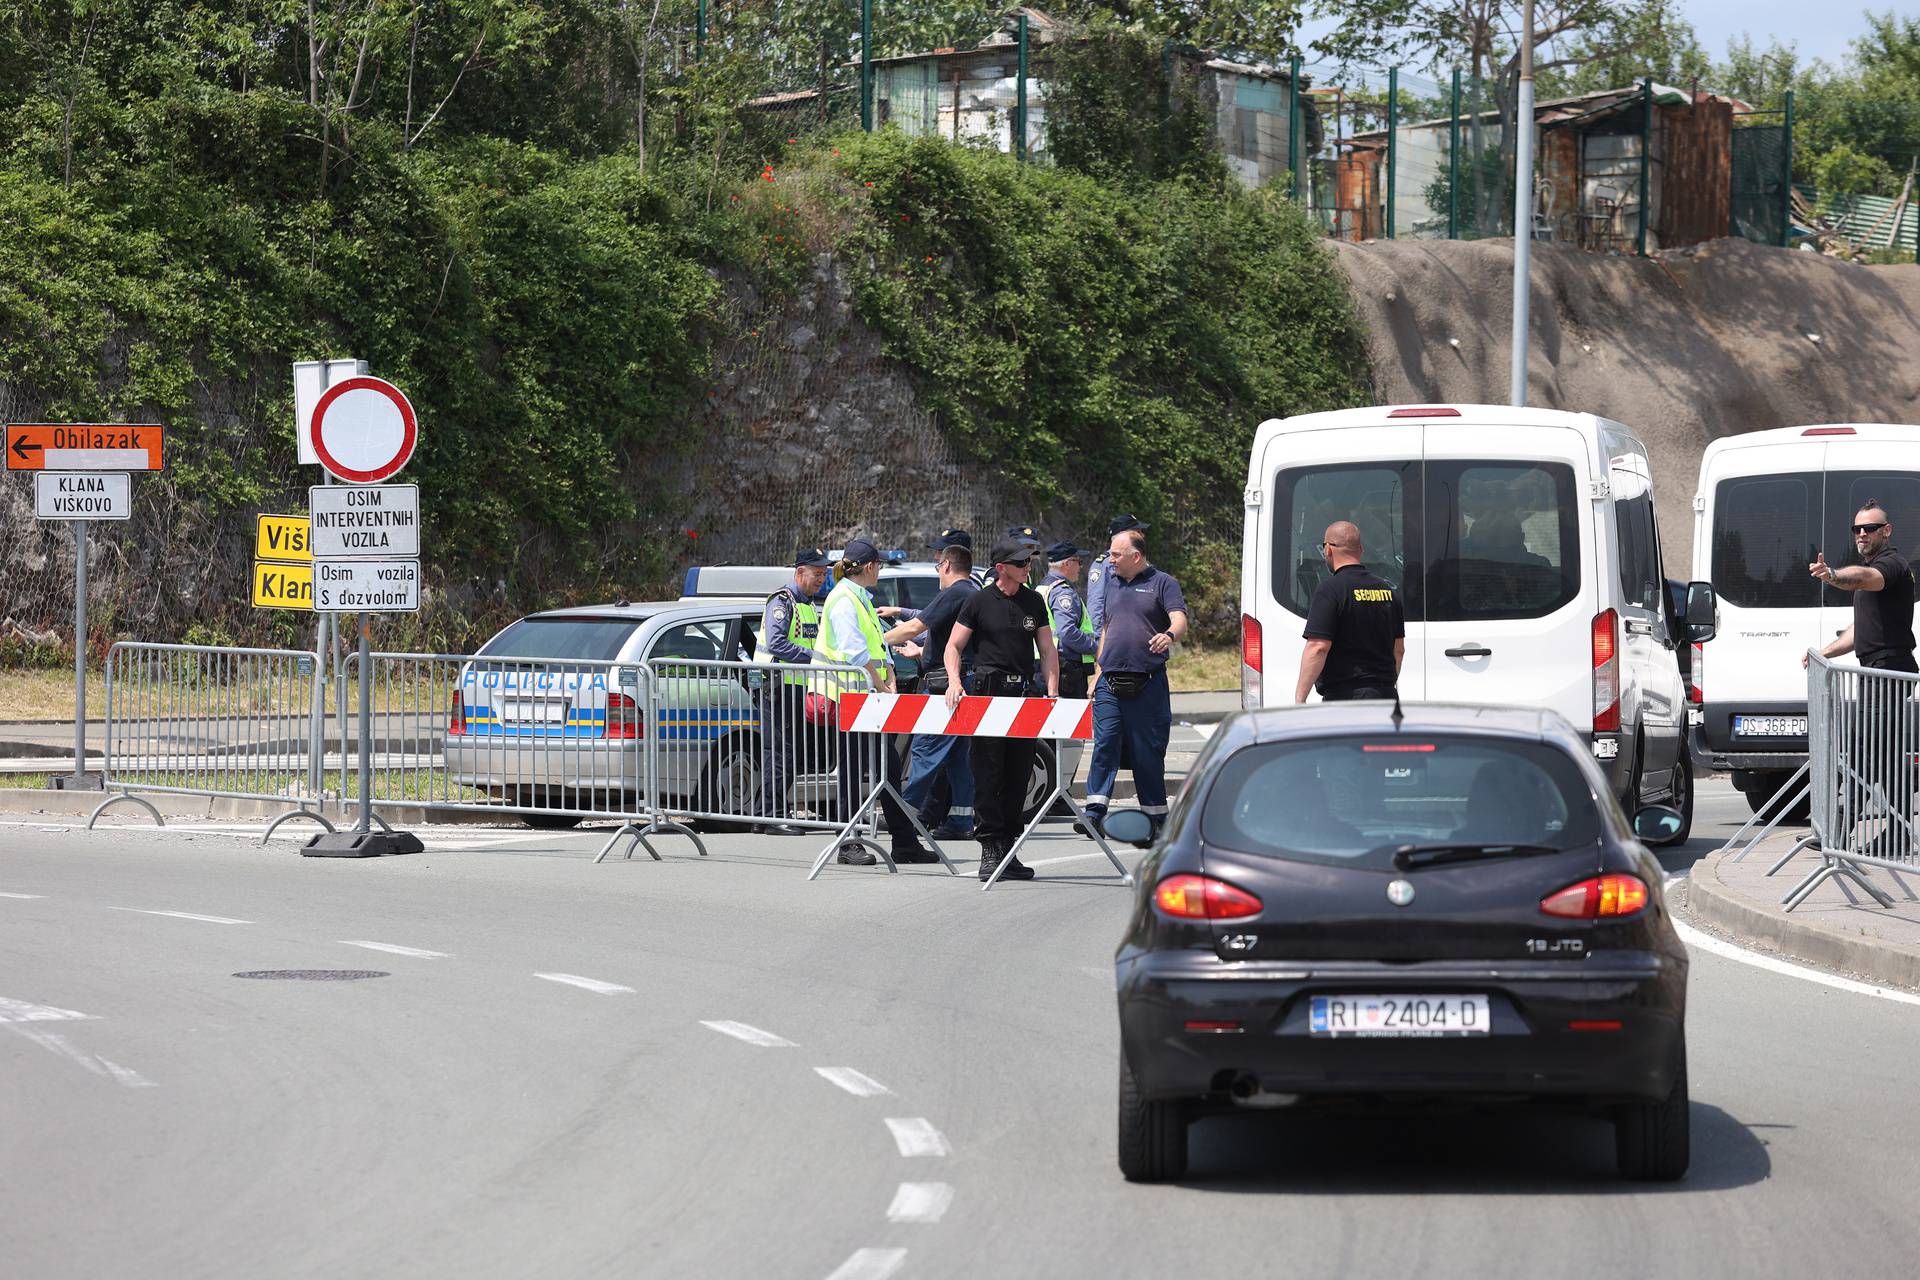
(1072, 633)
(999, 627)
(940, 779)
(851, 634)
(1145, 616)
(1356, 630)
(789, 629)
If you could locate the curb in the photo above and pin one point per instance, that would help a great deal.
(1893, 963)
(78, 804)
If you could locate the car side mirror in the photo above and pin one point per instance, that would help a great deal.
(1128, 826)
(1657, 824)
(1702, 612)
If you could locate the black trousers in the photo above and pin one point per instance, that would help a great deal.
(1001, 770)
(1073, 677)
(784, 745)
(856, 780)
(1382, 691)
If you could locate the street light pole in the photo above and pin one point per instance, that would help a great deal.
(1522, 212)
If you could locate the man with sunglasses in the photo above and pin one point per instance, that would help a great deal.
(1882, 632)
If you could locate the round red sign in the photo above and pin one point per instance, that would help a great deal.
(363, 430)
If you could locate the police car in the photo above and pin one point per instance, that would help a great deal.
(548, 712)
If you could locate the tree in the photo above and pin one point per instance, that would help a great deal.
(1653, 40)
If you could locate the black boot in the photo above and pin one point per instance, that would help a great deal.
(1016, 869)
(991, 851)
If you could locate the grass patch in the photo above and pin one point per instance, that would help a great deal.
(36, 694)
(1202, 668)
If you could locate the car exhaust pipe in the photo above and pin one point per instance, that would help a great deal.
(1246, 1091)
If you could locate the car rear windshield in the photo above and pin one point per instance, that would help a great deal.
(1461, 540)
(1353, 801)
(1768, 528)
(580, 639)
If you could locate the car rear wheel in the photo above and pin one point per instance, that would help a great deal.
(1153, 1135)
(731, 783)
(1652, 1140)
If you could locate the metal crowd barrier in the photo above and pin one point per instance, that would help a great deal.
(201, 720)
(1863, 727)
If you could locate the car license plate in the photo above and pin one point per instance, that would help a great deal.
(1399, 1016)
(543, 711)
(1769, 726)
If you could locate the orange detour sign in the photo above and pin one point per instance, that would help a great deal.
(84, 446)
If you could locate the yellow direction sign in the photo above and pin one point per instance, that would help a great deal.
(282, 586)
(287, 538)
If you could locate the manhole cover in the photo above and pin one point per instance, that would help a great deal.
(314, 975)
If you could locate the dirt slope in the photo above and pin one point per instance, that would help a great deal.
(1685, 347)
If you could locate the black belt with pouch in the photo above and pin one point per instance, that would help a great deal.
(1127, 685)
(1000, 683)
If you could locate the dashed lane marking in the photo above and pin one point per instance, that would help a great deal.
(587, 984)
(22, 895)
(854, 1082)
(870, 1264)
(15, 1015)
(183, 915)
(918, 1137)
(393, 948)
(752, 1035)
(22, 1011)
(920, 1202)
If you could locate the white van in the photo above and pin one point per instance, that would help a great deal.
(1766, 503)
(1524, 547)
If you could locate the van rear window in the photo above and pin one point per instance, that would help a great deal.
(1461, 540)
(1767, 529)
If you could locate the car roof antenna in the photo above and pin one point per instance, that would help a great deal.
(1398, 715)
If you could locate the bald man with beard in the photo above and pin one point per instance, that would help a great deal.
(1356, 630)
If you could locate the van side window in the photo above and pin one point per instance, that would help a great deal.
(1380, 497)
(1763, 539)
(1640, 575)
(1502, 539)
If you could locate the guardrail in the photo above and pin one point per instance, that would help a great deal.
(202, 720)
(1863, 726)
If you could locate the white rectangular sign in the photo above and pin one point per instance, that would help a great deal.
(311, 378)
(363, 521)
(82, 495)
(366, 586)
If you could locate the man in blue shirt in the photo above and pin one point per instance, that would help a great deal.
(940, 756)
(1101, 570)
(789, 626)
(1145, 615)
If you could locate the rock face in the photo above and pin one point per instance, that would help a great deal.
(1685, 347)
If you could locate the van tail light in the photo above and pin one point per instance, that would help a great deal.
(1697, 676)
(1606, 672)
(1435, 412)
(457, 717)
(623, 717)
(1192, 897)
(1828, 431)
(1250, 661)
(1601, 898)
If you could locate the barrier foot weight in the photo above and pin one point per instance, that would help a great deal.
(289, 816)
(101, 808)
(362, 844)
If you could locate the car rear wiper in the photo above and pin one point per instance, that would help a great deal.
(1409, 856)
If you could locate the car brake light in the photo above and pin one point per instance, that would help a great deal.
(1697, 676)
(623, 717)
(1606, 672)
(457, 718)
(1606, 897)
(1193, 897)
(1424, 413)
(1251, 660)
(1829, 431)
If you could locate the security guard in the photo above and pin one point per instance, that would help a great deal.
(1146, 615)
(1000, 625)
(789, 629)
(851, 634)
(1356, 630)
(1072, 634)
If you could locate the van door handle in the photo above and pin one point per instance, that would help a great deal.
(1639, 628)
(1470, 651)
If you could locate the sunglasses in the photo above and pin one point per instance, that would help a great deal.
(1870, 528)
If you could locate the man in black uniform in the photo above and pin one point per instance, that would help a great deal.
(1356, 631)
(999, 626)
(1881, 637)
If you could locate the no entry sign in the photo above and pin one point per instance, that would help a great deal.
(363, 430)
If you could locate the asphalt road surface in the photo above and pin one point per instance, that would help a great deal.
(712, 1068)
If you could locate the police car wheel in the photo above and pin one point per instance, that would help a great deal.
(1039, 782)
(730, 784)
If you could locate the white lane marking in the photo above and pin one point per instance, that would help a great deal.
(752, 1035)
(854, 1082)
(1076, 857)
(395, 949)
(870, 1264)
(587, 984)
(23, 1011)
(183, 915)
(920, 1202)
(22, 895)
(1708, 943)
(59, 1044)
(918, 1137)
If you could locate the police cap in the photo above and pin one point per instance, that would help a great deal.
(1065, 551)
(951, 538)
(809, 558)
(860, 551)
(1023, 533)
(1120, 524)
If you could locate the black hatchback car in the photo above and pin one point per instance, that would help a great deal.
(1347, 902)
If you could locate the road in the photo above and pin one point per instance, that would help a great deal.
(711, 1068)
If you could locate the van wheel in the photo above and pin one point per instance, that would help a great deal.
(1682, 799)
(1630, 790)
(1153, 1135)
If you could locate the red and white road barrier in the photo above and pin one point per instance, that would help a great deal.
(1066, 719)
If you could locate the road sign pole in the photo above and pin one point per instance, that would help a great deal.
(366, 725)
(79, 782)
